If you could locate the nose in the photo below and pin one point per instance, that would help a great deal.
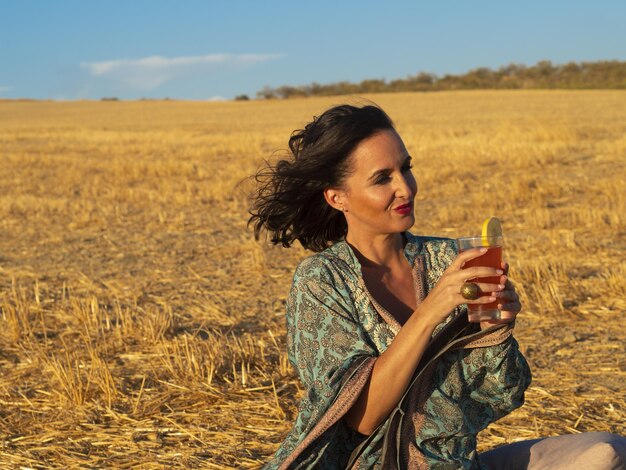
(406, 186)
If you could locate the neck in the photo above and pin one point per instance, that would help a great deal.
(378, 250)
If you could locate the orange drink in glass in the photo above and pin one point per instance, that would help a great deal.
(492, 258)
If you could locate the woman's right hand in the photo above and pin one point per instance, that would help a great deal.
(446, 295)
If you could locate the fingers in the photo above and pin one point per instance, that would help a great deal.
(479, 271)
(511, 307)
(508, 299)
(486, 299)
(506, 296)
(509, 292)
(466, 256)
(505, 267)
(487, 287)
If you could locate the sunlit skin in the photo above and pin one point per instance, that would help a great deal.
(380, 182)
(377, 200)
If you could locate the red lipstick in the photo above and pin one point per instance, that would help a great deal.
(404, 209)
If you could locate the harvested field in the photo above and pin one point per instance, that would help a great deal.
(142, 326)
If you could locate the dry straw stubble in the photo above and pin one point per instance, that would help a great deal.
(141, 326)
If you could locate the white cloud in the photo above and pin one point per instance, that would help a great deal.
(4, 89)
(150, 72)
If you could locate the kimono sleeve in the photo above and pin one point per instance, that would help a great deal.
(500, 377)
(329, 348)
(324, 335)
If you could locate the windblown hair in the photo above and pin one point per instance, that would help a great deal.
(289, 202)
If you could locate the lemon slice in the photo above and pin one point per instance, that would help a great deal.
(492, 229)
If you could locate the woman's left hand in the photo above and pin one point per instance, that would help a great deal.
(508, 303)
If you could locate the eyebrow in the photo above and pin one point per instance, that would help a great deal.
(384, 171)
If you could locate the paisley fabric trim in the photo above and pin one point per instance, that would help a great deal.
(382, 311)
(498, 335)
(414, 459)
(418, 274)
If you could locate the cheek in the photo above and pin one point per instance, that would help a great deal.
(377, 199)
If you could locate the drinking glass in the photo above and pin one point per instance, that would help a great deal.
(492, 258)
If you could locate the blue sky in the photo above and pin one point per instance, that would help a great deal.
(200, 50)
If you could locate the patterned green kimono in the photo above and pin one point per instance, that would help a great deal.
(467, 379)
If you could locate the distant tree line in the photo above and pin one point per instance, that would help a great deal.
(543, 75)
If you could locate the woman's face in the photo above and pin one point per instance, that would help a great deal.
(379, 192)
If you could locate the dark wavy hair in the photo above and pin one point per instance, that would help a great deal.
(289, 202)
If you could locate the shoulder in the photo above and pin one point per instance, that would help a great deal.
(313, 268)
(328, 276)
(321, 283)
(332, 266)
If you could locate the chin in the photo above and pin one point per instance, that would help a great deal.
(406, 224)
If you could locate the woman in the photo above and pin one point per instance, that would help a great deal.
(377, 329)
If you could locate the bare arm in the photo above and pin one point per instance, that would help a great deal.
(394, 368)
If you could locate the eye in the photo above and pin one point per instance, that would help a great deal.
(382, 179)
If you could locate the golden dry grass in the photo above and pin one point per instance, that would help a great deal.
(142, 327)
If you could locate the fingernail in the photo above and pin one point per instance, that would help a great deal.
(492, 298)
(499, 271)
(501, 286)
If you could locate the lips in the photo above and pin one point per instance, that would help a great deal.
(404, 209)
